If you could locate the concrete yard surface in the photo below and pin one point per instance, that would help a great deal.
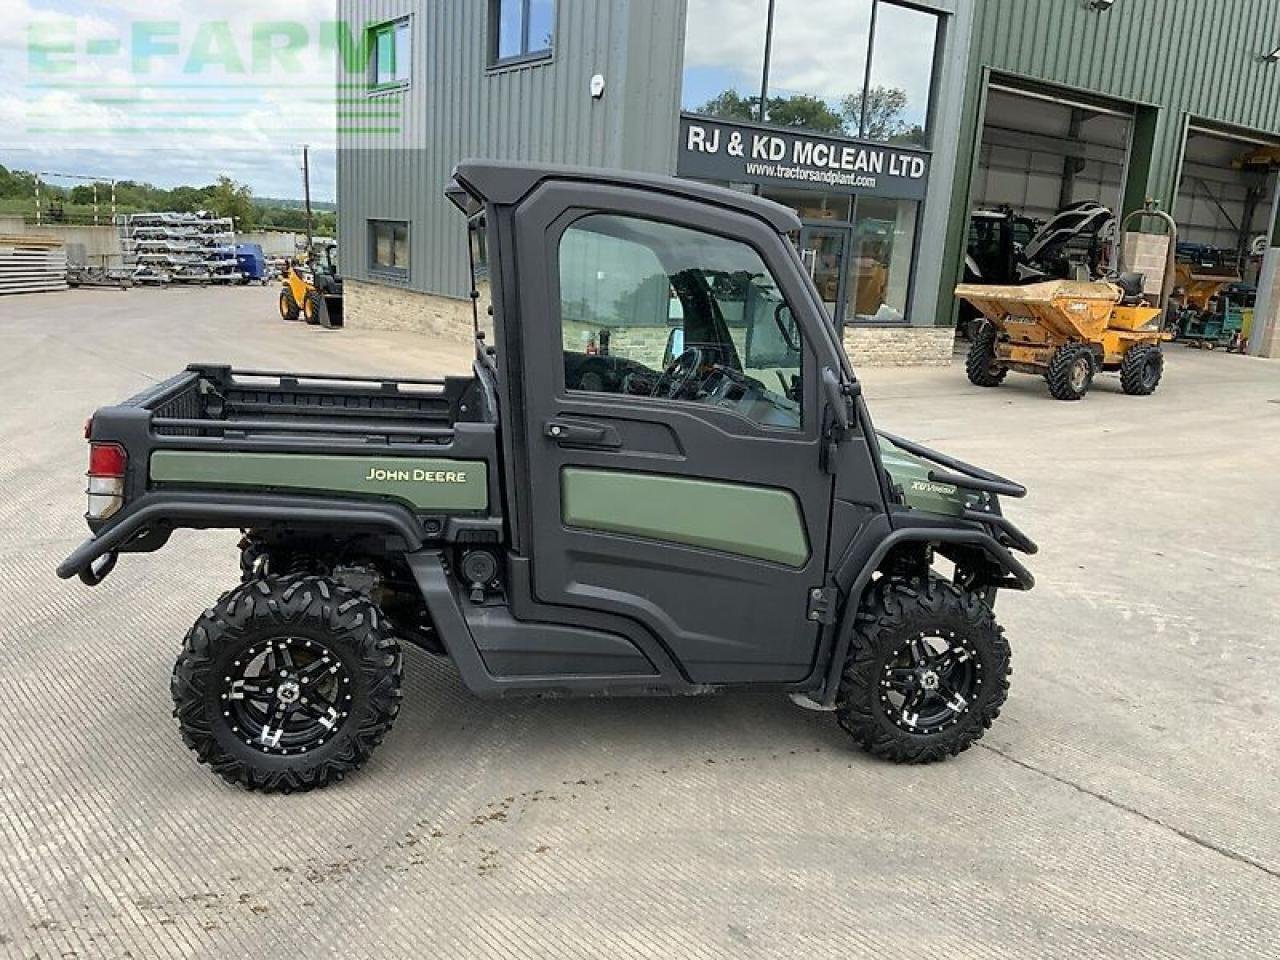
(1124, 804)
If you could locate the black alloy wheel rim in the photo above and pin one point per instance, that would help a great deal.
(929, 683)
(286, 695)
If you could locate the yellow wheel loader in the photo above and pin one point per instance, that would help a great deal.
(312, 288)
(1068, 330)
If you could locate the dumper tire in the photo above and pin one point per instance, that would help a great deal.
(898, 616)
(332, 645)
(289, 310)
(982, 366)
(1141, 369)
(1070, 372)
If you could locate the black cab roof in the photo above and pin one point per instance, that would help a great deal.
(505, 183)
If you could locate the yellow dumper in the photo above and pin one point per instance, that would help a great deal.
(1068, 330)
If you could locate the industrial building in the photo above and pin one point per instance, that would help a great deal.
(883, 123)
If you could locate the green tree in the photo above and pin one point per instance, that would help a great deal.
(17, 183)
(731, 105)
(884, 109)
(802, 110)
(230, 199)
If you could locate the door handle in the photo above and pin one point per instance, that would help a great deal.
(581, 433)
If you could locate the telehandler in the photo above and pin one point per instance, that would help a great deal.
(726, 518)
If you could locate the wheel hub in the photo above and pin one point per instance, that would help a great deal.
(286, 695)
(929, 682)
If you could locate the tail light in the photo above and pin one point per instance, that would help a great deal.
(107, 463)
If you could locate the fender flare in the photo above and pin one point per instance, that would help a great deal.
(204, 511)
(1000, 555)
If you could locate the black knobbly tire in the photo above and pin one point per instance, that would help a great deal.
(311, 307)
(287, 683)
(1070, 372)
(982, 366)
(886, 702)
(289, 308)
(1141, 369)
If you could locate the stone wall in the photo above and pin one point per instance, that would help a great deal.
(380, 306)
(899, 346)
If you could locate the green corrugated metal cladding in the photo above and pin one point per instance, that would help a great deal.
(1197, 58)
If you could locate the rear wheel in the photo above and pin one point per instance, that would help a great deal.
(1141, 369)
(982, 365)
(287, 683)
(1070, 372)
(927, 674)
(288, 306)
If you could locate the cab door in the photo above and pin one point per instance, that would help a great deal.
(671, 426)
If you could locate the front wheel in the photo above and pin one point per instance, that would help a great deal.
(311, 307)
(287, 683)
(927, 673)
(288, 306)
(1070, 372)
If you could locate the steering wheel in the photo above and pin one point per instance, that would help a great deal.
(680, 375)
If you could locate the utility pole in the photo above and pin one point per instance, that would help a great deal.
(306, 189)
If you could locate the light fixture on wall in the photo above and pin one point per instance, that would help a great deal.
(1100, 4)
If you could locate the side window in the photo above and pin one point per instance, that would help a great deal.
(659, 311)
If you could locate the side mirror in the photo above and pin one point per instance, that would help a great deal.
(840, 398)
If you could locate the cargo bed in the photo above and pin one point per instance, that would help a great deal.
(220, 447)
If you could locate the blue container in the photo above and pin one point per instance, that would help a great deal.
(251, 262)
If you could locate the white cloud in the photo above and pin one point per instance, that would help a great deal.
(184, 119)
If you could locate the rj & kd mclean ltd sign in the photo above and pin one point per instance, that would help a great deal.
(711, 150)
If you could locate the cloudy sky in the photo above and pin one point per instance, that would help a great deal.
(181, 91)
(819, 48)
(170, 91)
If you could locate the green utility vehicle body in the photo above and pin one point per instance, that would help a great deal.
(570, 519)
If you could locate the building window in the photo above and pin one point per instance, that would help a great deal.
(818, 64)
(521, 29)
(884, 235)
(659, 311)
(724, 58)
(897, 101)
(808, 66)
(390, 59)
(389, 248)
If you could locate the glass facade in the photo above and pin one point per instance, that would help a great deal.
(897, 105)
(860, 72)
(724, 58)
(807, 67)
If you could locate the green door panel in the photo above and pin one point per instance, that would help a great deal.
(760, 522)
(425, 483)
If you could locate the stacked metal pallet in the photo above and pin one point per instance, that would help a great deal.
(179, 248)
(32, 264)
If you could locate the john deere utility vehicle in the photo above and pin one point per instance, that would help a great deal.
(312, 288)
(725, 519)
(1068, 330)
